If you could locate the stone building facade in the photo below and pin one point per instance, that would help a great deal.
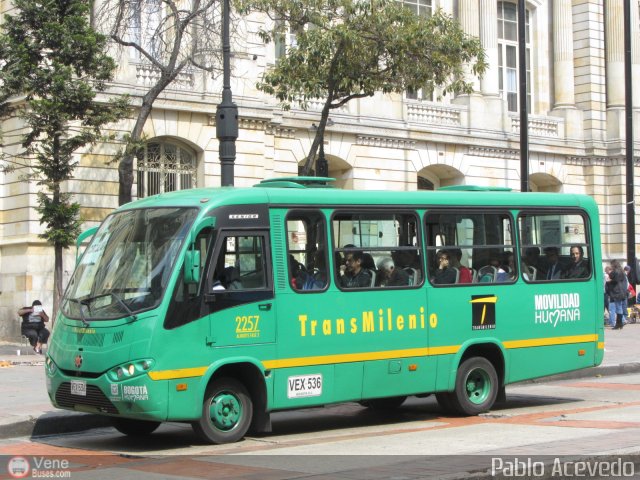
(389, 142)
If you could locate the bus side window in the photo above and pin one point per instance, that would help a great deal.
(376, 250)
(554, 247)
(307, 251)
(465, 248)
(240, 264)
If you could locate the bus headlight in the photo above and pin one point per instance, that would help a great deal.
(130, 370)
(51, 366)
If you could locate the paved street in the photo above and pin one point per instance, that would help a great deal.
(591, 413)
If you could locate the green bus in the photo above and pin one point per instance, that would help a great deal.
(219, 306)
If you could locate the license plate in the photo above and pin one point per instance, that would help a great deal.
(303, 386)
(79, 387)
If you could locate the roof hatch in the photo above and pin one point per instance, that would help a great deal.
(297, 182)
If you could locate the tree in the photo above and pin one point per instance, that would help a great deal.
(52, 64)
(346, 49)
(171, 37)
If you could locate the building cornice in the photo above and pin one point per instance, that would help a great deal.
(385, 142)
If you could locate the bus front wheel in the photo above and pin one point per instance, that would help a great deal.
(476, 387)
(227, 411)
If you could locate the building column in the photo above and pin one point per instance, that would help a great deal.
(563, 70)
(468, 18)
(563, 54)
(489, 39)
(614, 45)
(614, 49)
(635, 61)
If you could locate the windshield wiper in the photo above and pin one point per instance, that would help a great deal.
(133, 316)
(87, 300)
(82, 304)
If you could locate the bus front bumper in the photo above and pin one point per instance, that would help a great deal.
(138, 397)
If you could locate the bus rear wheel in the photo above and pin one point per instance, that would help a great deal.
(476, 387)
(227, 411)
(135, 428)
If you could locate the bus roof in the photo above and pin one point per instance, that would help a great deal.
(289, 192)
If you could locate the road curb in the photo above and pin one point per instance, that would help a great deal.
(593, 372)
(54, 423)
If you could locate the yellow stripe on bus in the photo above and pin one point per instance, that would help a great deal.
(359, 357)
(383, 355)
(543, 342)
(179, 373)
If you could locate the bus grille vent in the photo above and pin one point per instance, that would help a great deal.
(117, 337)
(94, 399)
(279, 253)
(96, 340)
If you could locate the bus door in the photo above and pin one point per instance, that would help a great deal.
(240, 292)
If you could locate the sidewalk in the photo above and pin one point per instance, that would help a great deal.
(25, 408)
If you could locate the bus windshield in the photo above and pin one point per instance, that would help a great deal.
(128, 264)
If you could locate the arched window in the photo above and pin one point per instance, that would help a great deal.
(508, 54)
(165, 167)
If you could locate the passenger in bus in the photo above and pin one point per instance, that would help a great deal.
(406, 258)
(466, 276)
(297, 272)
(554, 269)
(389, 275)
(316, 277)
(354, 276)
(532, 260)
(444, 274)
(579, 267)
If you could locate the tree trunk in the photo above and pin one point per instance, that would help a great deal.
(57, 281)
(318, 139)
(134, 149)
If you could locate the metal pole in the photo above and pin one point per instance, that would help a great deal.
(628, 106)
(522, 90)
(227, 112)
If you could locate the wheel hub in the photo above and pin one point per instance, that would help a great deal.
(478, 386)
(225, 411)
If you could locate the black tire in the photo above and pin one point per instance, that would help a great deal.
(388, 403)
(135, 428)
(476, 387)
(227, 411)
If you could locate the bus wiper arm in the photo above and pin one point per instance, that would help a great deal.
(86, 301)
(133, 316)
(82, 317)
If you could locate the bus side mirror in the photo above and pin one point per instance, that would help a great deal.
(192, 266)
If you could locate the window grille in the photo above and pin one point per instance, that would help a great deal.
(165, 167)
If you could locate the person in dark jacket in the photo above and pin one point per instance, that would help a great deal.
(617, 290)
(354, 275)
(579, 267)
(390, 276)
(444, 274)
(33, 320)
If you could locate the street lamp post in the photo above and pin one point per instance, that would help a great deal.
(628, 94)
(522, 90)
(227, 111)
